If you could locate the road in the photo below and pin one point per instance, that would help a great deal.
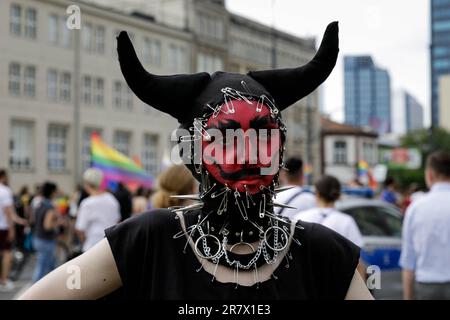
(22, 283)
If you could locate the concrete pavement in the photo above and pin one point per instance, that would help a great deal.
(23, 281)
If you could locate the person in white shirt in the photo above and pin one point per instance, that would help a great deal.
(328, 191)
(296, 197)
(8, 217)
(425, 256)
(97, 212)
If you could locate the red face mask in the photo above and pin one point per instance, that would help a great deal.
(243, 152)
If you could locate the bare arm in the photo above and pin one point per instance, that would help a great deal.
(13, 217)
(408, 284)
(358, 289)
(50, 220)
(95, 270)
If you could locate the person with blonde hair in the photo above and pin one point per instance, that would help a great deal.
(97, 212)
(176, 180)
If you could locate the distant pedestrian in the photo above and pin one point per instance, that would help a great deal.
(328, 191)
(125, 199)
(8, 218)
(140, 201)
(97, 212)
(425, 256)
(46, 222)
(176, 180)
(297, 197)
(389, 193)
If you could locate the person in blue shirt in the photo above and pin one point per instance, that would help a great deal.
(425, 257)
(388, 193)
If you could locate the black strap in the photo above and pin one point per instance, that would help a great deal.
(292, 198)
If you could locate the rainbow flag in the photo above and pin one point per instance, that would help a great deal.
(364, 171)
(116, 166)
(363, 168)
(62, 205)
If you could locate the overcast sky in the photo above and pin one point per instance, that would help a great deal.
(394, 32)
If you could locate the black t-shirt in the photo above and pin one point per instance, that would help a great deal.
(40, 214)
(152, 265)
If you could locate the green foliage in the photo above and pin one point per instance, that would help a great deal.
(405, 177)
(427, 141)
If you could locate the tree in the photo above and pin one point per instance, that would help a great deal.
(427, 141)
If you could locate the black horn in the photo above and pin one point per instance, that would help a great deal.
(174, 94)
(287, 86)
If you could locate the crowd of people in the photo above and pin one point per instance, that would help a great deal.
(51, 228)
(57, 227)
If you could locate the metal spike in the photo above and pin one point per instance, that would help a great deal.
(262, 206)
(187, 197)
(275, 204)
(223, 204)
(240, 205)
(281, 189)
(191, 207)
(296, 241)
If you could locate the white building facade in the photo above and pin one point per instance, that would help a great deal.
(60, 85)
(343, 146)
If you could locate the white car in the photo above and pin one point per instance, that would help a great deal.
(381, 225)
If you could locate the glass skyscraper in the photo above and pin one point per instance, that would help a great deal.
(367, 94)
(440, 51)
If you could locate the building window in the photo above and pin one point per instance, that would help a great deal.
(56, 148)
(87, 36)
(29, 86)
(66, 86)
(99, 91)
(53, 29)
(117, 94)
(177, 58)
(209, 63)
(128, 97)
(340, 152)
(150, 154)
(122, 142)
(210, 26)
(66, 35)
(86, 147)
(87, 90)
(173, 59)
(100, 39)
(152, 52)
(14, 79)
(15, 16)
(21, 145)
(122, 96)
(52, 86)
(30, 23)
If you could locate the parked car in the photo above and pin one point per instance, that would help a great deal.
(380, 224)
